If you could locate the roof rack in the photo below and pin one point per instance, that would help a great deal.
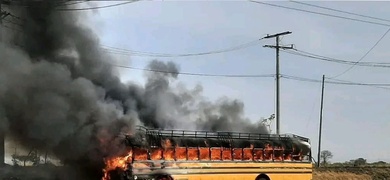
(217, 135)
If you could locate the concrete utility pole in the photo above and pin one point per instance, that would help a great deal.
(2, 135)
(277, 47)
(320, 131)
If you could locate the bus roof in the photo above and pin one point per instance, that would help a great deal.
(165, 133)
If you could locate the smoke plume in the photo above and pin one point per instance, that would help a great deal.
(59, 94)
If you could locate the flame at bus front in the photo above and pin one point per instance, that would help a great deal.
(116, 162)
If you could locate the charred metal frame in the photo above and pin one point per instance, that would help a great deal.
(154, 136)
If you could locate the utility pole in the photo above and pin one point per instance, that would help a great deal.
(277, 47)
(320, 131)
(3, 14)
(2, 141)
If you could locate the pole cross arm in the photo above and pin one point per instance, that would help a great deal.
(275, 35)
(4, 14)
(281, 47)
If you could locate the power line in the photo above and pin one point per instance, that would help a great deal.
(319, 13)
(199, 74)
(11, 22)
(377, 42)
(336, 81)
(341, 82)
(121, 51)
(16, 17)
(81, 9)
(334, 60)
(380, 87)
(341, 11)
(98, 7)
(72, 3)
(311, 113)
(115, 50)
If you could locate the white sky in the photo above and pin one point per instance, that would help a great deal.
(355, 117)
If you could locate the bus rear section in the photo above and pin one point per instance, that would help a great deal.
(200, 155)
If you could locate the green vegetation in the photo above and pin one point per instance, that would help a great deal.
(354, 169)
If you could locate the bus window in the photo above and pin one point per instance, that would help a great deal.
(227, 154)
(156, 153)
(192, 154)
(181, 153)
(237, 152)
(215, 154)
(287, 155)
(204, 153)
(248, 154)
(268, 152)
(278, 153)
(169, 154)
(140, 154)
(258, 154)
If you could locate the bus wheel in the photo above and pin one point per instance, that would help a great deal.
(163, 177)
(262, 177)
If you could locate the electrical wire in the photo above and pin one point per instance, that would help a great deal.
(199, 74)
(72, 3)
(337, 82)
(11, 22)
(340, 82)
(98, 7)
(334, 60)
(319, 13)
(127, 52)
(380, 87)
(311, 112)
(16, 17)
(82, 9)
(115, 50)
(341, 11)
(377, 42)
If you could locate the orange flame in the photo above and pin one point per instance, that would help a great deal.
(215, 153)
(181, 153)
(204, 154)
(193, 154)
(116, 162)
(258, 154)
(156, 153)
(237, 154)
(248, 154)
(227, 154)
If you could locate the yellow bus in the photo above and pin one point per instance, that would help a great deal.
(155, 154)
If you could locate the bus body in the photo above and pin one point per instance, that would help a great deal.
(200, 155)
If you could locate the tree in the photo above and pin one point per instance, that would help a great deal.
(325, 157)
(359, 162)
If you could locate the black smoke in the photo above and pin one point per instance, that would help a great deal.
(58, 93)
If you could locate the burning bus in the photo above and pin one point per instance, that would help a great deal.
(201, 155)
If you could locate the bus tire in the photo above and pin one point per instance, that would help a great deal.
(262, 177)
(164, 177)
